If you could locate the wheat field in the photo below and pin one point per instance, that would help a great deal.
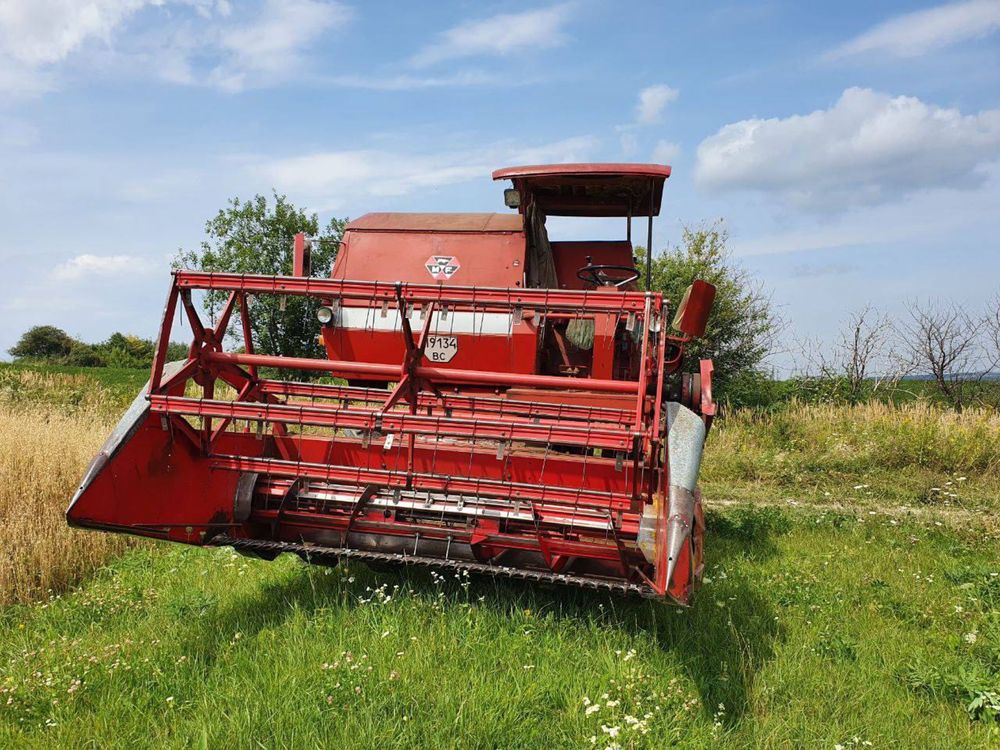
(45, 446)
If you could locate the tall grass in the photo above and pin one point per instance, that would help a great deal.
(51, 425)
(105, 390)
(914, 452)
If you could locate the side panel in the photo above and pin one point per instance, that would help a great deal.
(463, 339)
(157, 483)
(493, 259)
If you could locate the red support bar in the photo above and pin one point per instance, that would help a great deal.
(575, 434)
(535, 410)
(437, 374)
(192, 315)
(247, 332)
(223, 323)
(163, 340)
(370, 292)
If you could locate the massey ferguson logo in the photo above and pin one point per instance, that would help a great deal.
(442, 267)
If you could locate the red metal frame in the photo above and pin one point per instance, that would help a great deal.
(561, 470)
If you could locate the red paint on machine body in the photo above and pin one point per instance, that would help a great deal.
(504, 408)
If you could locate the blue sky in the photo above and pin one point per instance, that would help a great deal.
(853, 148)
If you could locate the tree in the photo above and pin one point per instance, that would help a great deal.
(45, 343)
(943, 339)
(123, 350)
(861, 361)
(991, 323)
(256, 237)
(742, 328)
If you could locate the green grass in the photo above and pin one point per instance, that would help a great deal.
(811, 630)
(106, 389)
(868, 455)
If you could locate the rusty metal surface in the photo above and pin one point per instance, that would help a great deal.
(625, 190)
(436, 222)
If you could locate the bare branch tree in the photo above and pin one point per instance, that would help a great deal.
(866, 341)
(991, 328)
(863, 356)
(943, 339)
(991, 342)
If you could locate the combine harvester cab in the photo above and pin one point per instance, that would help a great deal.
(509, 405)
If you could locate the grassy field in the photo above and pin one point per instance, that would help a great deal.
(811, 631)
(869, 616)
(917, 455)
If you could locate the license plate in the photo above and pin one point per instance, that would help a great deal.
(441, 348)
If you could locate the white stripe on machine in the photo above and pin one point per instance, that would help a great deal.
(455, 321)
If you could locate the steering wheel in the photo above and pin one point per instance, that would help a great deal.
(598, 274)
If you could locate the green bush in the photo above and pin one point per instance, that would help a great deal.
(83, 355)
(742, 327)
(53, 346)
(44, 343)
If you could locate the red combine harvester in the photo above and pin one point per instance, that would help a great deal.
(513, 406)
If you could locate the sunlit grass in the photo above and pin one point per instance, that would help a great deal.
(811, 630)
(867, 454)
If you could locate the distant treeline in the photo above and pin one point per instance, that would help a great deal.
(51, 345)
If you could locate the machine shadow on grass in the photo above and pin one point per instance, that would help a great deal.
(722, 641)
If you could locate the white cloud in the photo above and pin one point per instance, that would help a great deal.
(648, 111)
(665, 152)
(35, 34)
(867, 148)
(652, 100)
(931, 216)
(329, 180)
(88, 265)
(913, 34)
(190, 42)
(499, 35)
(271, 47)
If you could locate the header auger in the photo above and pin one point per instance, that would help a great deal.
(506, 404)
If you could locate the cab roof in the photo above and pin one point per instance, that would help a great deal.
(590, 189)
